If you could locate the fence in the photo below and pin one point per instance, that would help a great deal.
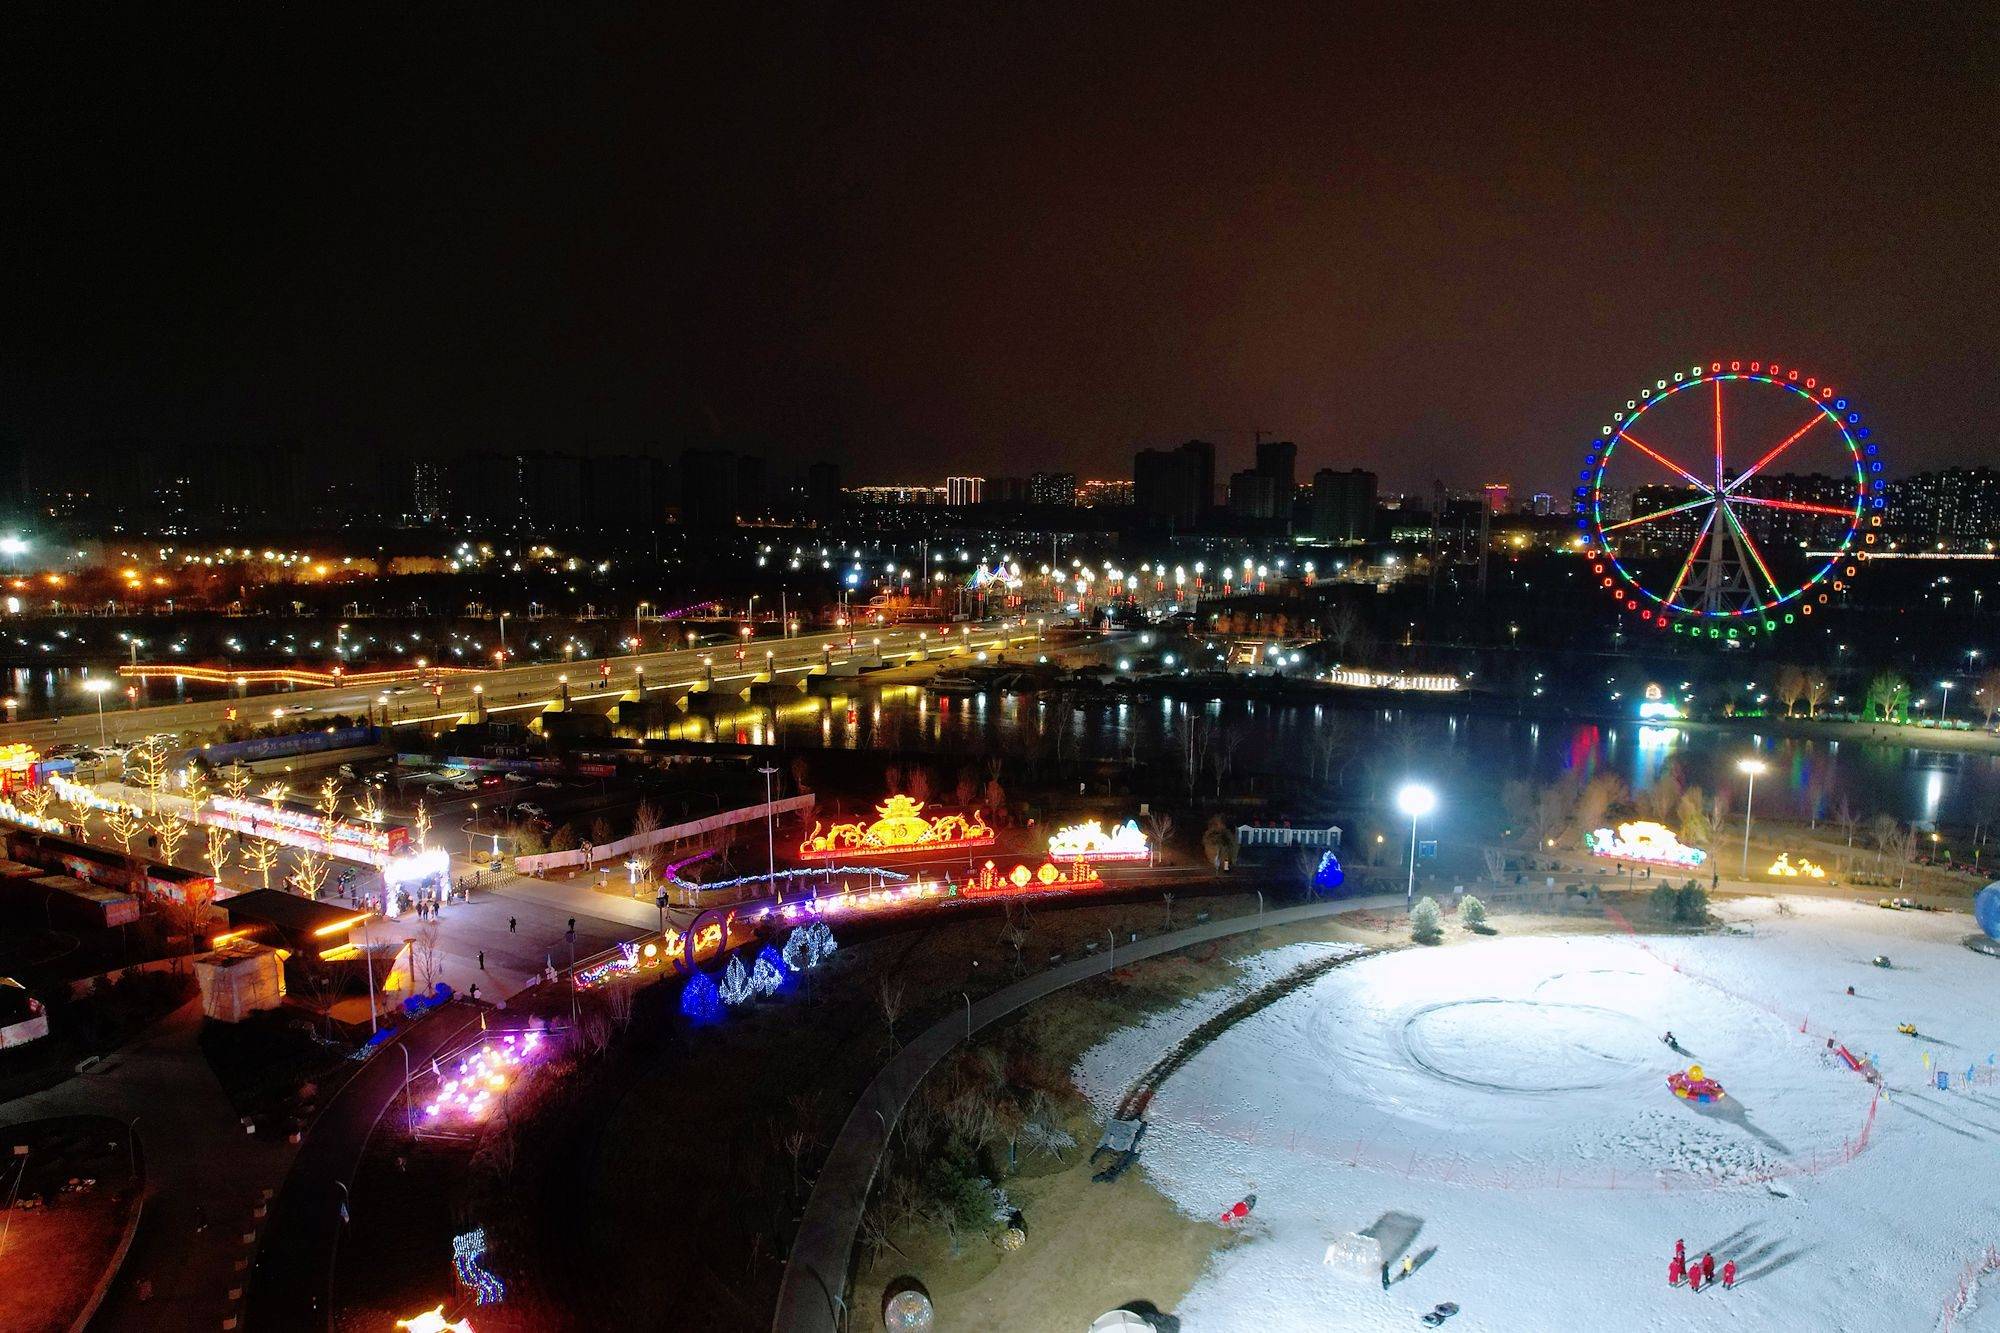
(1284, 835)
(1968, 1282)
(695, 828)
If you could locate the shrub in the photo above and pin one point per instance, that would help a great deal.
(1665, 902)
(1691, 904)
(1426, 921)
(1471, 913)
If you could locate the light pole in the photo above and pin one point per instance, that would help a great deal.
(1750, 768)
(1415, 800)
(1944, 700)
(368, 953)
(97, 687)
(770, 835)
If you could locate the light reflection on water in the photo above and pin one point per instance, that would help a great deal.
(1476, 751)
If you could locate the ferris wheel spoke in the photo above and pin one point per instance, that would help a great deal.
(1660, 514)
(1782, 445)
(1750, 549)
(1667, 463)
(1799, 506)
(1718, 433)
(1694, 553)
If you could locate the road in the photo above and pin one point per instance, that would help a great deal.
(526, 688)
(292, 1280)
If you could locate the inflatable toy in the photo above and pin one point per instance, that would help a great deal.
(1692, 1085)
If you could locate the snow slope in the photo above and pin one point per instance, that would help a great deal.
(1510, 1094)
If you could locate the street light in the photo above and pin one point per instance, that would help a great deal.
(770, 835)
(1749, 768)
(1944, 700)
(98, 687)
(1415, 800)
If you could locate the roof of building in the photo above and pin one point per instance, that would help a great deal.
(289, 912)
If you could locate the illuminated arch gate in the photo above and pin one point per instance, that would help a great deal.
(1716, 541)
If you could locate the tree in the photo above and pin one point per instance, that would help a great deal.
(170, 833)
(1889, 696)
(1472, 913)
(1790, 686)
(327, 800)
(261, 855)
(1426, 921)
(890, 999)
(194, 788)
(1553, 807)
(217, 854)
(275, 793)
(1987, 691)
(188, 913)
(309, 870)
(124, 825)
(645, 819)
(368, 809)
(1691, 904)
(1219, 843)
(236, 781)
(1692, 815)
(1601, 797)
(423, 826)
(426, 955)
(1818, 685)
(146, 767)
(36, 800)
(1664, 902)
(1159, 828)
(699, 1000)
(563, 839)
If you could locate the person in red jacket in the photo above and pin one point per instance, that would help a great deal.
(1729, 1274)
(1675, 1271)
(1694, 1277)
(1708, 1268)
(1681, 1252)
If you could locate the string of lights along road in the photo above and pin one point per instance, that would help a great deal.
(1730, 499)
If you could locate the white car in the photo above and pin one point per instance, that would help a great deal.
(530, 809)
(516, 778)
(465, 784)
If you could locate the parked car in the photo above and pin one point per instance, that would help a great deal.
(517, 779)
(531, 810)
(465, 784)
(550, 783)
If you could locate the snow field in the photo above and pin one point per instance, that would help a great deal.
(1510, 1094)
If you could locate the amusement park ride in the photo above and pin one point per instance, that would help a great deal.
(1718, 544)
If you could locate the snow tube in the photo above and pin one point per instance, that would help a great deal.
(1694, 1086)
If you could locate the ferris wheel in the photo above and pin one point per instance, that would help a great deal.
(1730, 499)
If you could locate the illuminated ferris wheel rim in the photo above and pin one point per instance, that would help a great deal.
(1765, 610)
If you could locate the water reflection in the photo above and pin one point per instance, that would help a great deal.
(1475, 752)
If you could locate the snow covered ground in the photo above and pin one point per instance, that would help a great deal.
(1507, 1096)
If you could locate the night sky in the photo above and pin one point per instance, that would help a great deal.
(988, 238)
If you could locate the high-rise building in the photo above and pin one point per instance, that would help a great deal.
(710, 489)
(964, 490)
(1958, 505)
(1053, 488)
(428, 498)
(1544, 504)
(1175, 488)
(1253, 497)
(1005, 491)
(1279, 460)
(1343, 505)
(1104, 494)
(1498, 496)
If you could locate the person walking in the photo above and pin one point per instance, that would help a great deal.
(511, 925)
(1694, 1277)
(1729, 1274)
(1676, 1269)
(1708, 1268)
(1680, 1246)
(482, 960)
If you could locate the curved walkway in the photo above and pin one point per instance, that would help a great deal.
(815, 1285)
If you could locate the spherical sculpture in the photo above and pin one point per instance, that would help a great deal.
(1986, 910)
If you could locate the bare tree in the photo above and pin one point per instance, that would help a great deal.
(236, 780)
(426, 956)
(309, 871)
(1159, 829)
(124, 825)
(1790, 686)
(327, 799)
(217, 854)
(1818, 686)
(1987, 691)
(422, 823)
(170, 833)
(261, 855)
(890, 998)
(645, 819)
